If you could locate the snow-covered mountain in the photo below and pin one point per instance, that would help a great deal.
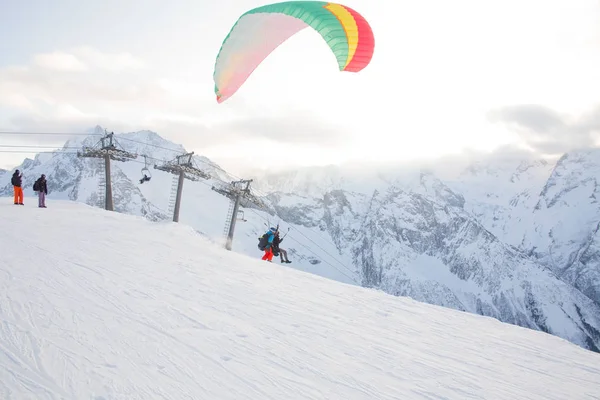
(423, 244)
(548, 210)
(503, 194)
(566, 220)
(461, 243)
(109, 306)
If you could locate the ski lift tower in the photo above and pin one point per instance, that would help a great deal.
(236, 192)
(108, 151)
(182, 166)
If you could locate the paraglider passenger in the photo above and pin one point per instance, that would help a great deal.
(277, 250)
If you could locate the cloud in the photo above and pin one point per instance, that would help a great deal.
(69, 92)
(59, 61)
(86, 58)
(66, 120)
(109, 61)
(548, 132)
(83, 87)
(283, 130)
(55, 86)
(290, 129)
(590, 122)
(534, 117)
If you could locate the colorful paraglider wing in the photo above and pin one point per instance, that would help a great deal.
(260, 31)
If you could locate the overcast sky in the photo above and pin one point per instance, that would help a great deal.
(446, 77)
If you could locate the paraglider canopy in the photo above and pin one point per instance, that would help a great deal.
(261, 30)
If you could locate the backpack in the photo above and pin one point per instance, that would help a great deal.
(263, 241)
(36, 185)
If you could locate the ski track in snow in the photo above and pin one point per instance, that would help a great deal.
(103, 306)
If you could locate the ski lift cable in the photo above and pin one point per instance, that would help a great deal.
(114, 138)
(178, 151)
(327, 262)
(38, 152)
(259, 194)
(316, 244)
(326, 252)
(333, 266)
(264, 196)
(320, 236)
(303, 245)
(312, 252)
(152, 145)
(37, 146)
(8, 132)
(34, 150)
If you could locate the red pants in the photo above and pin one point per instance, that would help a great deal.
(268, 254)
(18, 194)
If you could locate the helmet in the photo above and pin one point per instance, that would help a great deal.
(273, 229)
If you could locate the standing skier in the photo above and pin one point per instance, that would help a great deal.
(41, 187)
(17, 181)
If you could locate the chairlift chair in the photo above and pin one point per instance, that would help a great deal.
(240, 216)
(146, 175)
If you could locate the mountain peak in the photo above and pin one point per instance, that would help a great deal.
(97, 130)
(145, 135)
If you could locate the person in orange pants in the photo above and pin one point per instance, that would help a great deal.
(268, 254)
(17, 181)
(269, 244)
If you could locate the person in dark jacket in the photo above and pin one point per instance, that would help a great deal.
(278, 250)
(41, 187)
(17, 181)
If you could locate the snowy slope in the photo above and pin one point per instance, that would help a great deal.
(99, 305)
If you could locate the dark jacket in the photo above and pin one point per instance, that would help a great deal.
(276, 241)
(42, 185)
(16, 179)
